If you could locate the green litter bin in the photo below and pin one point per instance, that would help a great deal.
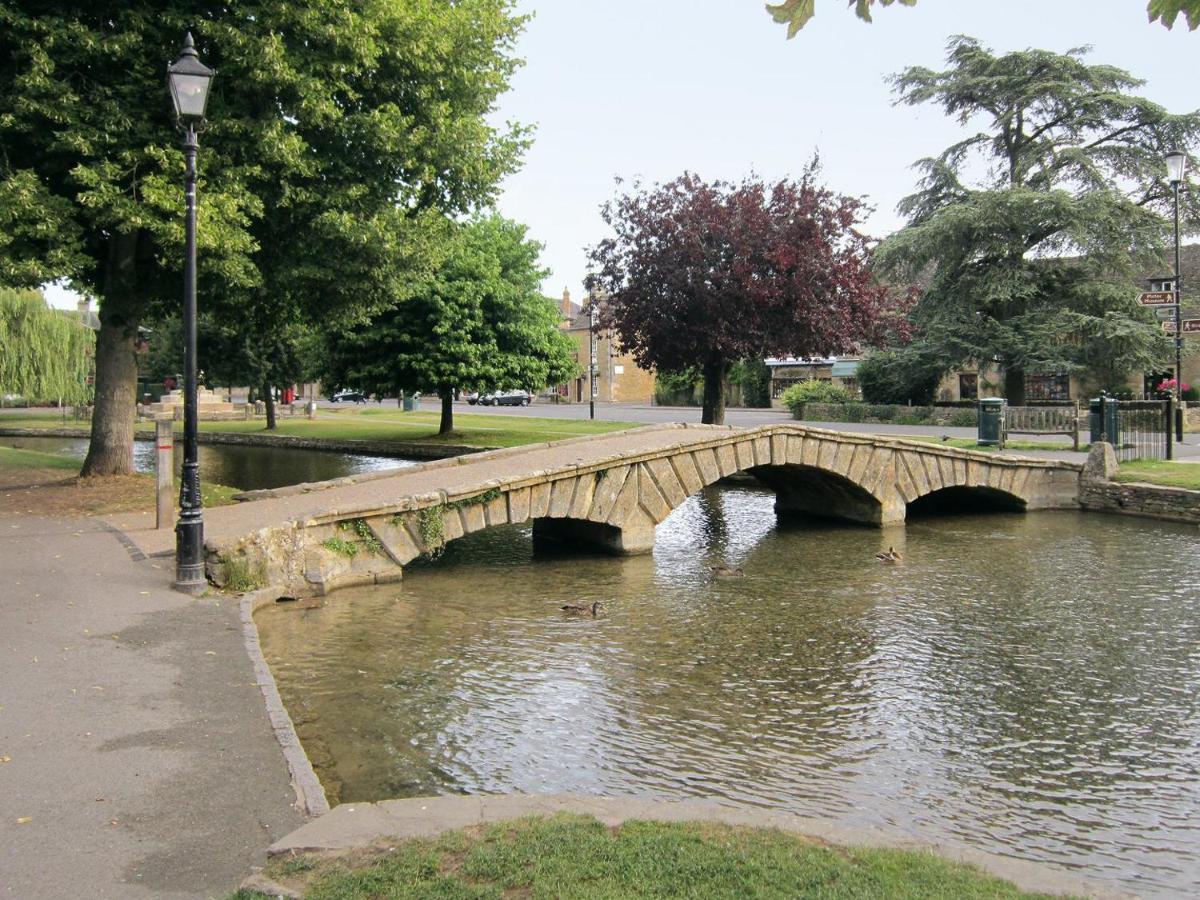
(412, 402)
(991, 422)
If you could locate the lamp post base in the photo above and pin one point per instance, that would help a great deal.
(189, 558)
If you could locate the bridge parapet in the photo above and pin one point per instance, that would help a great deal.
(598, 491)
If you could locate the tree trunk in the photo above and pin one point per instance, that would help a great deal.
(269, 400)
(714, 392)
(447, 394)
(1014, 386)
(111, 449)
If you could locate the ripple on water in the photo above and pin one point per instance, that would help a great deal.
(1026, 684)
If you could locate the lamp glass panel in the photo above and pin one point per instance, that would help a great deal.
(190, 93)
(1175, 166)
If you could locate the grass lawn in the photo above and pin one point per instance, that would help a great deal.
(579, 857)
(971, 444)
(1157, 471)
(384, 424)
(34, 483)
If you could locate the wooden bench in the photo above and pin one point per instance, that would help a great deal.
(1041, 420)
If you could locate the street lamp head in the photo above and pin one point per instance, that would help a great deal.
(1176, 161)
(189, 80)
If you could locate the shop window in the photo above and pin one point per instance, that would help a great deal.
(968, 387)
(1047, 387)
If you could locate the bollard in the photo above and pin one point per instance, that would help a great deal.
(164, 440)
(311, 408)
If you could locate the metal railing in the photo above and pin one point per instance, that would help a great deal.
(1137, 429)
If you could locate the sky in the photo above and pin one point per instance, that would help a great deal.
(651, 88)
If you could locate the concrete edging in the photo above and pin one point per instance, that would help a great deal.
(353, 825)
(310, 795)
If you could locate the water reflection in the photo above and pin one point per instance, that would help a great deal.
(248, 468)
(1024, 683)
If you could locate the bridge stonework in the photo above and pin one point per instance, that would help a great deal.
(618, 500)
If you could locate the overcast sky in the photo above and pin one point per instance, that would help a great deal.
(654, 87)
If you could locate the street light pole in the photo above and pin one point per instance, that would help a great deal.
(1176, 162)
(189, 81)
(592, 358)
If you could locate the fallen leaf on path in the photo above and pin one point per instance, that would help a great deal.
(24, 820)
(4, 759)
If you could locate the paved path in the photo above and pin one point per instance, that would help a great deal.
(136, 758)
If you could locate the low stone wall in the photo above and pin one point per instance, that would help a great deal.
(1098, 493)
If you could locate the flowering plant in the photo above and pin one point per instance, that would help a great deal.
(1168, 384)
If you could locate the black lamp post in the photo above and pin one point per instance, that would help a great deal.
(189, 80)
(1176, 162)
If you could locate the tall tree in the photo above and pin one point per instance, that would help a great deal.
(796, 13)
(47, 353)
(1035, 227)
(704, 274)
(340, 130)
(480, 322)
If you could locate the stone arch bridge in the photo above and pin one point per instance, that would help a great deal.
(610, 490)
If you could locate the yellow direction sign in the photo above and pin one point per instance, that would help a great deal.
(1190, 326)
(1157, 298)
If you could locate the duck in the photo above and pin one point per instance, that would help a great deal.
(575, 609)
(726, 572)
(891, 556)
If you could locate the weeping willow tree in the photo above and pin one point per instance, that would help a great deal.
(47, 353)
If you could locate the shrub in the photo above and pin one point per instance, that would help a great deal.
(812, 391)
(884, 412)
(898, 377)
(964, 418)
(853, 412)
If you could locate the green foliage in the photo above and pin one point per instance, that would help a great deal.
(479, 322)
(343, 135)
(366, 537)
(241, 575)
(47, 354)
(1033, 264)
(899, 376)
(340, 545)
(796, 13)
(431, 528)
(754, 376)
(1191, 395)
(813, 391)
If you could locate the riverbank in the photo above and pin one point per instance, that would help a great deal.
(621, 847)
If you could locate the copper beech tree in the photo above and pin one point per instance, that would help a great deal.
(702, 274)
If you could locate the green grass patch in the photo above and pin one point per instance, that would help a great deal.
(12, 458)
(1157, 471)
(472, 429)
(579, 857)
(972, 444)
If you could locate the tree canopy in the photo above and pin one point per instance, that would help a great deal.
(703, 274)
(1032, 231)
(341, 135)
(47, 352)
(479, 322)
(796, 13)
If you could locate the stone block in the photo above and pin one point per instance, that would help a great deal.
(650, 498)
(841, 461)
(727, 461)
(627, 501)
(779, 449)
(518, 505)
(585, 490)
(496, 511)
(561, 494)
(452, 524)
(707, 466)
(667, 481)
(811, 452)
(744, 451)
(689, 476)
(761, 451)
(473, 517)
(539, 500)
(604, 497)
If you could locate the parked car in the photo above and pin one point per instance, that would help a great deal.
(472, 397)
(348, 396)
(506, 398)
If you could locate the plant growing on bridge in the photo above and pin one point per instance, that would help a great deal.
(1033, 263)
(431, 526)
(704, 274)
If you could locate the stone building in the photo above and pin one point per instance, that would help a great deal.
(619, 379)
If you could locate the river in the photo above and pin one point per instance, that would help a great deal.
(1027, 684)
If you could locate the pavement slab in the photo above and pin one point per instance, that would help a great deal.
(140, 762)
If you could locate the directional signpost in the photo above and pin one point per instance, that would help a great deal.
(1157, 298)
(1190, 327)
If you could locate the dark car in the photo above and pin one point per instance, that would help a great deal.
(506, 398)
(348, 396)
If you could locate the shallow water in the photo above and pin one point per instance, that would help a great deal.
(248, 468)
(1023, 683)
